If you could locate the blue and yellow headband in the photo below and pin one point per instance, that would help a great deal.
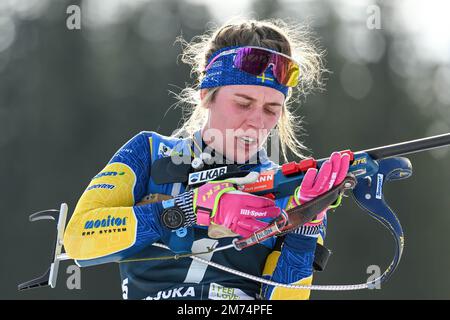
(222, 72)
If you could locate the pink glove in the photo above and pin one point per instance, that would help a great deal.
(331, 173)
(219, 202)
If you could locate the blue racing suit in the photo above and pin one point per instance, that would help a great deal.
(108, 225)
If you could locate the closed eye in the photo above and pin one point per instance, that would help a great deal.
(270, 112)
(243, 105)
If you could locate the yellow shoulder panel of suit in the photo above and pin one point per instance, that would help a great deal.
(103, 221)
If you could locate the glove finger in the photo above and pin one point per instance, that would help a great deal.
(246, 227)
(335, 160)
(323, 177)
(252, 224)
(343, 170)
(308, 179)
(260, 212)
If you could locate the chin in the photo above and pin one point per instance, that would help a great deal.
(242, 155)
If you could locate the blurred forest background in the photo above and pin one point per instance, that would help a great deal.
(70, 98)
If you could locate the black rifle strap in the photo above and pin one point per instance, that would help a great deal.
(321, 256)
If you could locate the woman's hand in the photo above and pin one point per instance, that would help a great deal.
(235, 210)
(316, 182)
(220, 203)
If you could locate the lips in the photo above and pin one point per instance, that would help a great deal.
(248, 141)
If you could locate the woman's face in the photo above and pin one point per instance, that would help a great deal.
(240, 119)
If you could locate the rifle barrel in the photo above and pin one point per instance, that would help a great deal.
(409, 146)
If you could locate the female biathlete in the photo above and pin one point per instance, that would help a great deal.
(158, 189)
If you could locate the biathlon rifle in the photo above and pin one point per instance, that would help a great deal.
(369, 171)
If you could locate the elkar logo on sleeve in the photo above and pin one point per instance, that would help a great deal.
(206, 175)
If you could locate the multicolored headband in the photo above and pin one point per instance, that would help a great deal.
(222, 72)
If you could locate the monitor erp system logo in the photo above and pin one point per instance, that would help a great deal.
(108, 225)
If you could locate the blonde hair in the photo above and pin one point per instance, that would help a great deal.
(291, 39)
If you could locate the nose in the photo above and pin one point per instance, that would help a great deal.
(255, 118)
